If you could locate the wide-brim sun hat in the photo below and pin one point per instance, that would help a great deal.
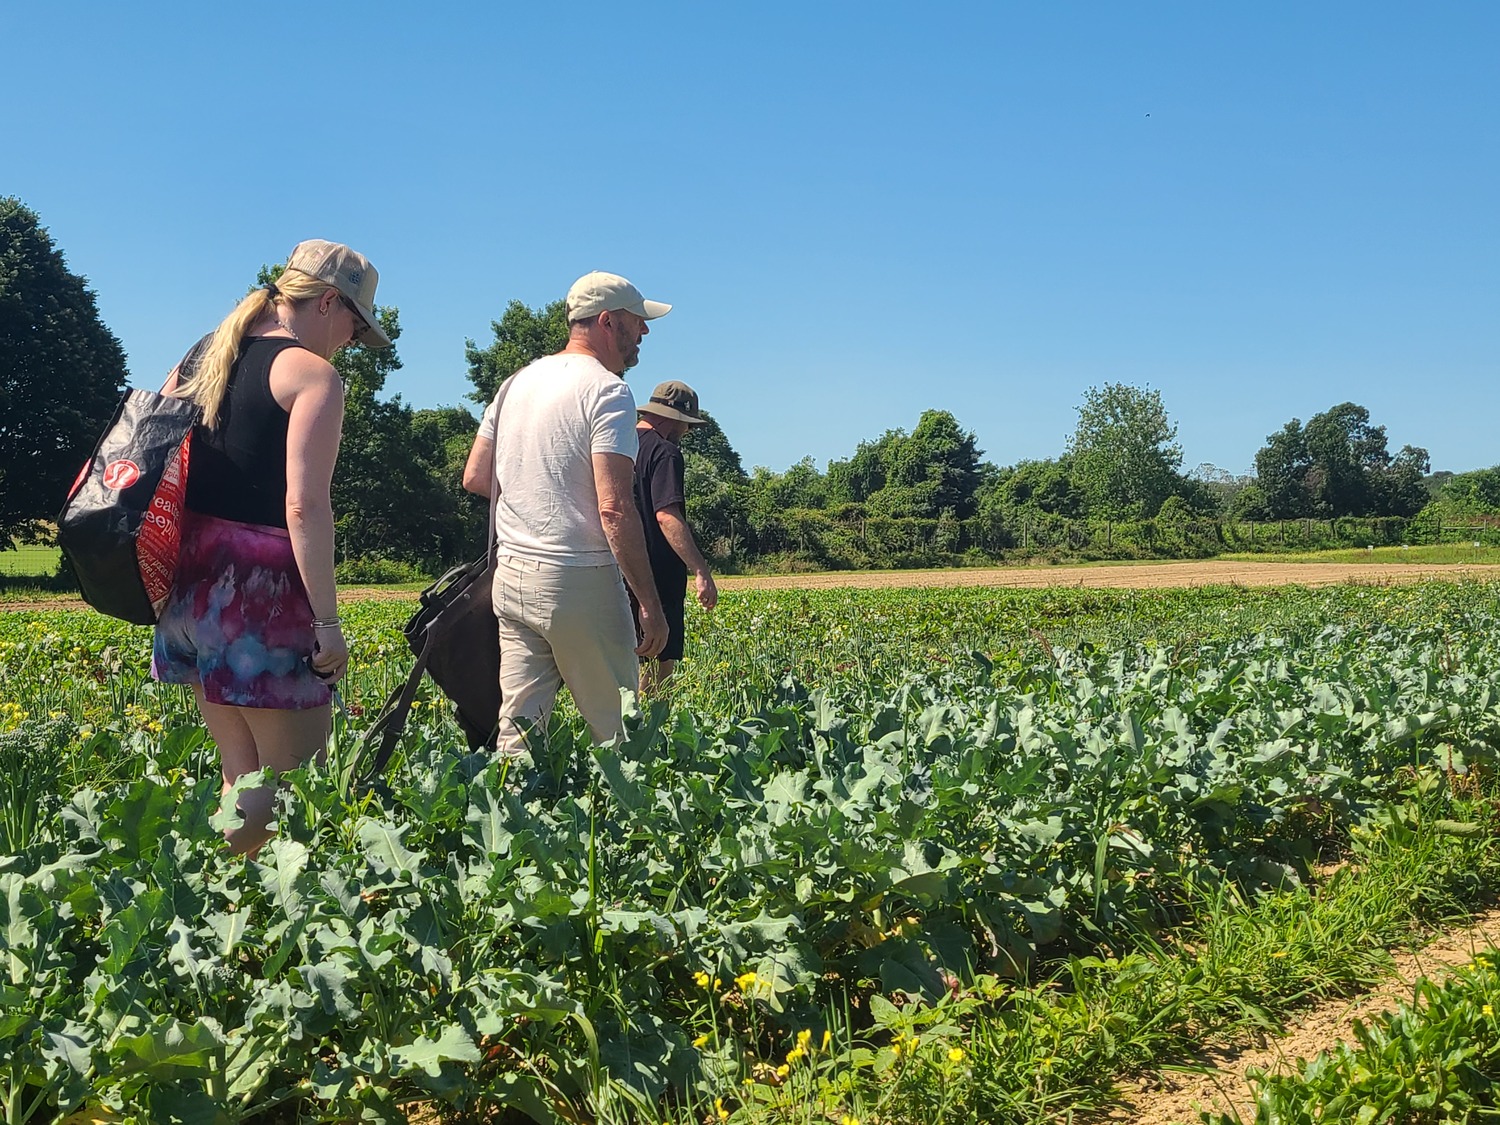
(348, 271)
(673, 399)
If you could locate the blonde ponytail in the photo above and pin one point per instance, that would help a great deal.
(208, 380)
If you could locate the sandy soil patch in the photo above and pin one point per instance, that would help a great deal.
(1175, 1098)
(1148, 576)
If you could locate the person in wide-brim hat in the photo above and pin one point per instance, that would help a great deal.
(660, 497)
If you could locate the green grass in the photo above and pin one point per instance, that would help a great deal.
(30, 561)
(1435, 1060)
(1443, 554)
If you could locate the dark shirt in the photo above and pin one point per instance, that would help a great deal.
(237, 471)
(658, 486)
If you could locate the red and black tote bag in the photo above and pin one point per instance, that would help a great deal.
(121, 527)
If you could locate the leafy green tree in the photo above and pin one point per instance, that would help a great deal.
(709, 441)
(1338, 465)
(521, 335)
(1249, 503)
(1403, 488)
(1124, 450)
(61, 373)
(801, 486)
(1476, 493)
(1345, 456)
(1281, 474)
(941, 462)
(1035, 486)
(448, 431)
(855, 480)
(717, 508)
(1213, 492)
(393, 492)
(935, 467)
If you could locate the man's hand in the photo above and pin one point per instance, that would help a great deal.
(653, 630)
(708, 593)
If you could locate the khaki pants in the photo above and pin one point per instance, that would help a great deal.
(562, 625)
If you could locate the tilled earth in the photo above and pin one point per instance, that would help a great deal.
(1176, 1097)
(1149, 576)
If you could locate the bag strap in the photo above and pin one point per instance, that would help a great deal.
(390, 723)
(188, 362)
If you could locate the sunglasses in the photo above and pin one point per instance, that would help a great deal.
(361, 325)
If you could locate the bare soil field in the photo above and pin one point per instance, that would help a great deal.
(1148, 576)
(1145, 576)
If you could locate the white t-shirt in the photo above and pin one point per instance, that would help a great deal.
(557, 412)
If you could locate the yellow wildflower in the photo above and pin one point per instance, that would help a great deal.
(804, 1037)
(955, 1054)
(1488, 1010)
(745, 981)
(720, 1110)
(700, 1041)
(896, 1048)
(827, 1039)
(700, 978)
(783, 1071)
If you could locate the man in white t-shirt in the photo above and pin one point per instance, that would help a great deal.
(560, 442)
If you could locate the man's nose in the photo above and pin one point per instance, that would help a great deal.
(645, 329)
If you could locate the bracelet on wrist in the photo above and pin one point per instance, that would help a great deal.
(326, 623)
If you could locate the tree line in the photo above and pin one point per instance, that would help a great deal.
(926, 495)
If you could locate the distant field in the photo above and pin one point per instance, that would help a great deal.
(1437, 553)
(29, 561)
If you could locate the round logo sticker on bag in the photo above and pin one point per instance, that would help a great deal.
(120, 474)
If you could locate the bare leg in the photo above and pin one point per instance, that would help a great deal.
(654, 674)
(253, 738)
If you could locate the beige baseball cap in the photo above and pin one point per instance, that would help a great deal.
(598, 292)
(348, 272)
(674, 400)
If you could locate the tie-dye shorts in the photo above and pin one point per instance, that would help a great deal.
(238, 620)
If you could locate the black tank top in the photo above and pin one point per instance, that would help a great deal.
(238, 471)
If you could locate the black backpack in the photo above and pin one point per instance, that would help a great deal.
(456, 641)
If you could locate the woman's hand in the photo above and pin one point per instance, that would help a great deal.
(330, 656)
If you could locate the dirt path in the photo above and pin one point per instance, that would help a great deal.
(1175, 1098)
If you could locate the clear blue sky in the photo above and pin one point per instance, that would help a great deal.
(860, 211)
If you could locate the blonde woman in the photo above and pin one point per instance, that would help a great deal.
(252, 621)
